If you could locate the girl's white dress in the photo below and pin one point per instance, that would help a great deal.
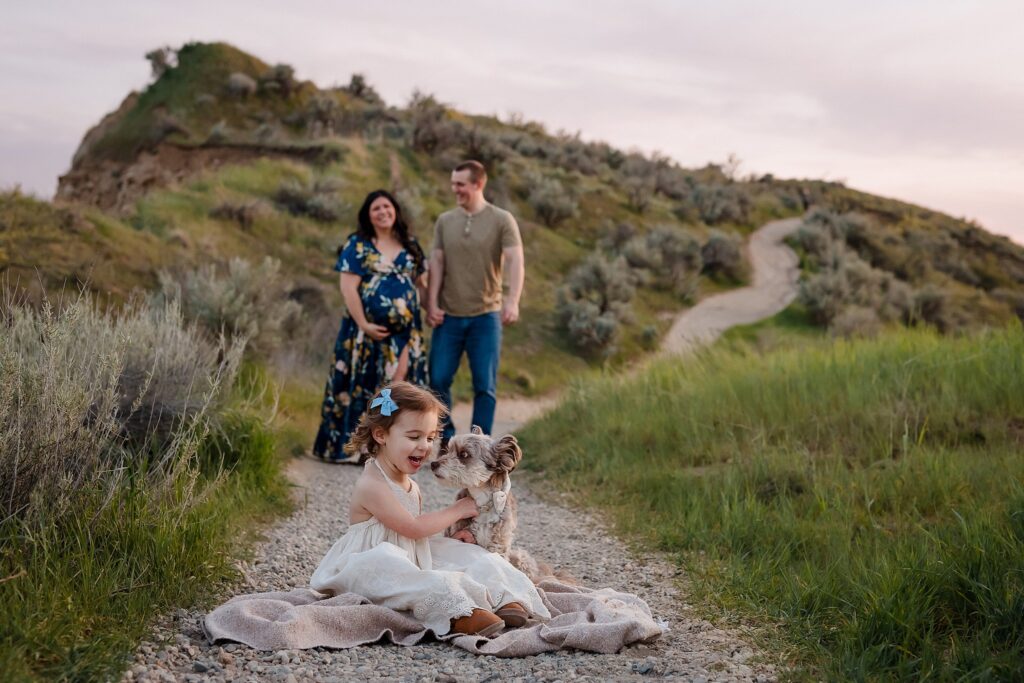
(436, 579)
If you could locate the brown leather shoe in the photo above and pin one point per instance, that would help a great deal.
(512, 614)
(479, 623)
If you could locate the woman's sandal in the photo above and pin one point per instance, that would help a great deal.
(479, 623)
(512, 614)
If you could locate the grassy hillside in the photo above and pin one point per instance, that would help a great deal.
(224, 156)
(865, 495)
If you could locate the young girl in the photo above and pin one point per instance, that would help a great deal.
(389, 554)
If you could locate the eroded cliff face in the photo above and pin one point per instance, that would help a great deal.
(115, 185)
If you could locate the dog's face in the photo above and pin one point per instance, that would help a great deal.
(476, 460)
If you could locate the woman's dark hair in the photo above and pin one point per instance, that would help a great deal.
(401, 229)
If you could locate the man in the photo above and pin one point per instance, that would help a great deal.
(472, 244)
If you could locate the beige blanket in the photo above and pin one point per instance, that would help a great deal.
(585, 619)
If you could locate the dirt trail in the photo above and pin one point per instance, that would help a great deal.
(775, 268)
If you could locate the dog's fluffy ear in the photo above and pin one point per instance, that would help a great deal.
(475, 430)
(507, 453)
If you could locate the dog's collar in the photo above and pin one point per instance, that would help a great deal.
(485, 498)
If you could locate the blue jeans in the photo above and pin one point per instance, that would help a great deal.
(479, 336)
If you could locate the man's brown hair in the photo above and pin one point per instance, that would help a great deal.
(477, 172)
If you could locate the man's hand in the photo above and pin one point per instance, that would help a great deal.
(509, 312)
(376, 332)
(435, 316)
(465, 536)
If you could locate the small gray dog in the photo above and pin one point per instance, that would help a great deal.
(480, 466)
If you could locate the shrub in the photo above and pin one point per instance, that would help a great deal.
(219, 133)
(164, 124)
(79, 384)
(572, 154)
(242, 213)
(639, 192)
(483, 145)
(266, 133)
(897, 299)
(1012, 298)
(942, 253)
(315, 202)
(160, 60)
(673, 182)
(843, 278)
(551, 202)
(825, 294)
(856, 321)
(615, 236)
(360, 89)
(846, 279)
(668, 258)
(280, 79)
(246, 301)
(835, 225)
(431, 130)
(722, 256)
(815, 242)
(594, 301)
(636, 165)
(932, 306)
(721, 203)
(321, 115)
(241, 85)
(649, 337)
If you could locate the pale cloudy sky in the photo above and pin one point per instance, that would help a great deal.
(917, 99)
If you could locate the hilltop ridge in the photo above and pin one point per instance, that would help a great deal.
(224, 155)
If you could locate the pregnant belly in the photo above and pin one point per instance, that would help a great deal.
(393, 313)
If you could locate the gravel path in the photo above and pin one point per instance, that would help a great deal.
(775, 268)
(693, 649)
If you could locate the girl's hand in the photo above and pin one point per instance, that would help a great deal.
(466, 507)
(466, 536)
(375, 332)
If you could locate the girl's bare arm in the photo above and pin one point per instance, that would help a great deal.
(375, 497)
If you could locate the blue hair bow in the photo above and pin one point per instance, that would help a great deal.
(387, 406)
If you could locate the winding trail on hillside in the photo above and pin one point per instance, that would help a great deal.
(693, 649)
(775, 273)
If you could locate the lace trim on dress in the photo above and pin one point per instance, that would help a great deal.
(442, 606)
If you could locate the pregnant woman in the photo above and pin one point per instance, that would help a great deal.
(381, 336)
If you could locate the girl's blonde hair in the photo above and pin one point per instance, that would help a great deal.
(408, 397)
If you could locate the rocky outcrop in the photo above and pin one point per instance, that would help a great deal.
(115, 186)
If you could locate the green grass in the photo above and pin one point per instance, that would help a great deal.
(80, 592)
(791, 326)
(866, 495)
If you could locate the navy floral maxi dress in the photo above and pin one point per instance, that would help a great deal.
(361, 365)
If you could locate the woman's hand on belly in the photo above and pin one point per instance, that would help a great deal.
(375, 332)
